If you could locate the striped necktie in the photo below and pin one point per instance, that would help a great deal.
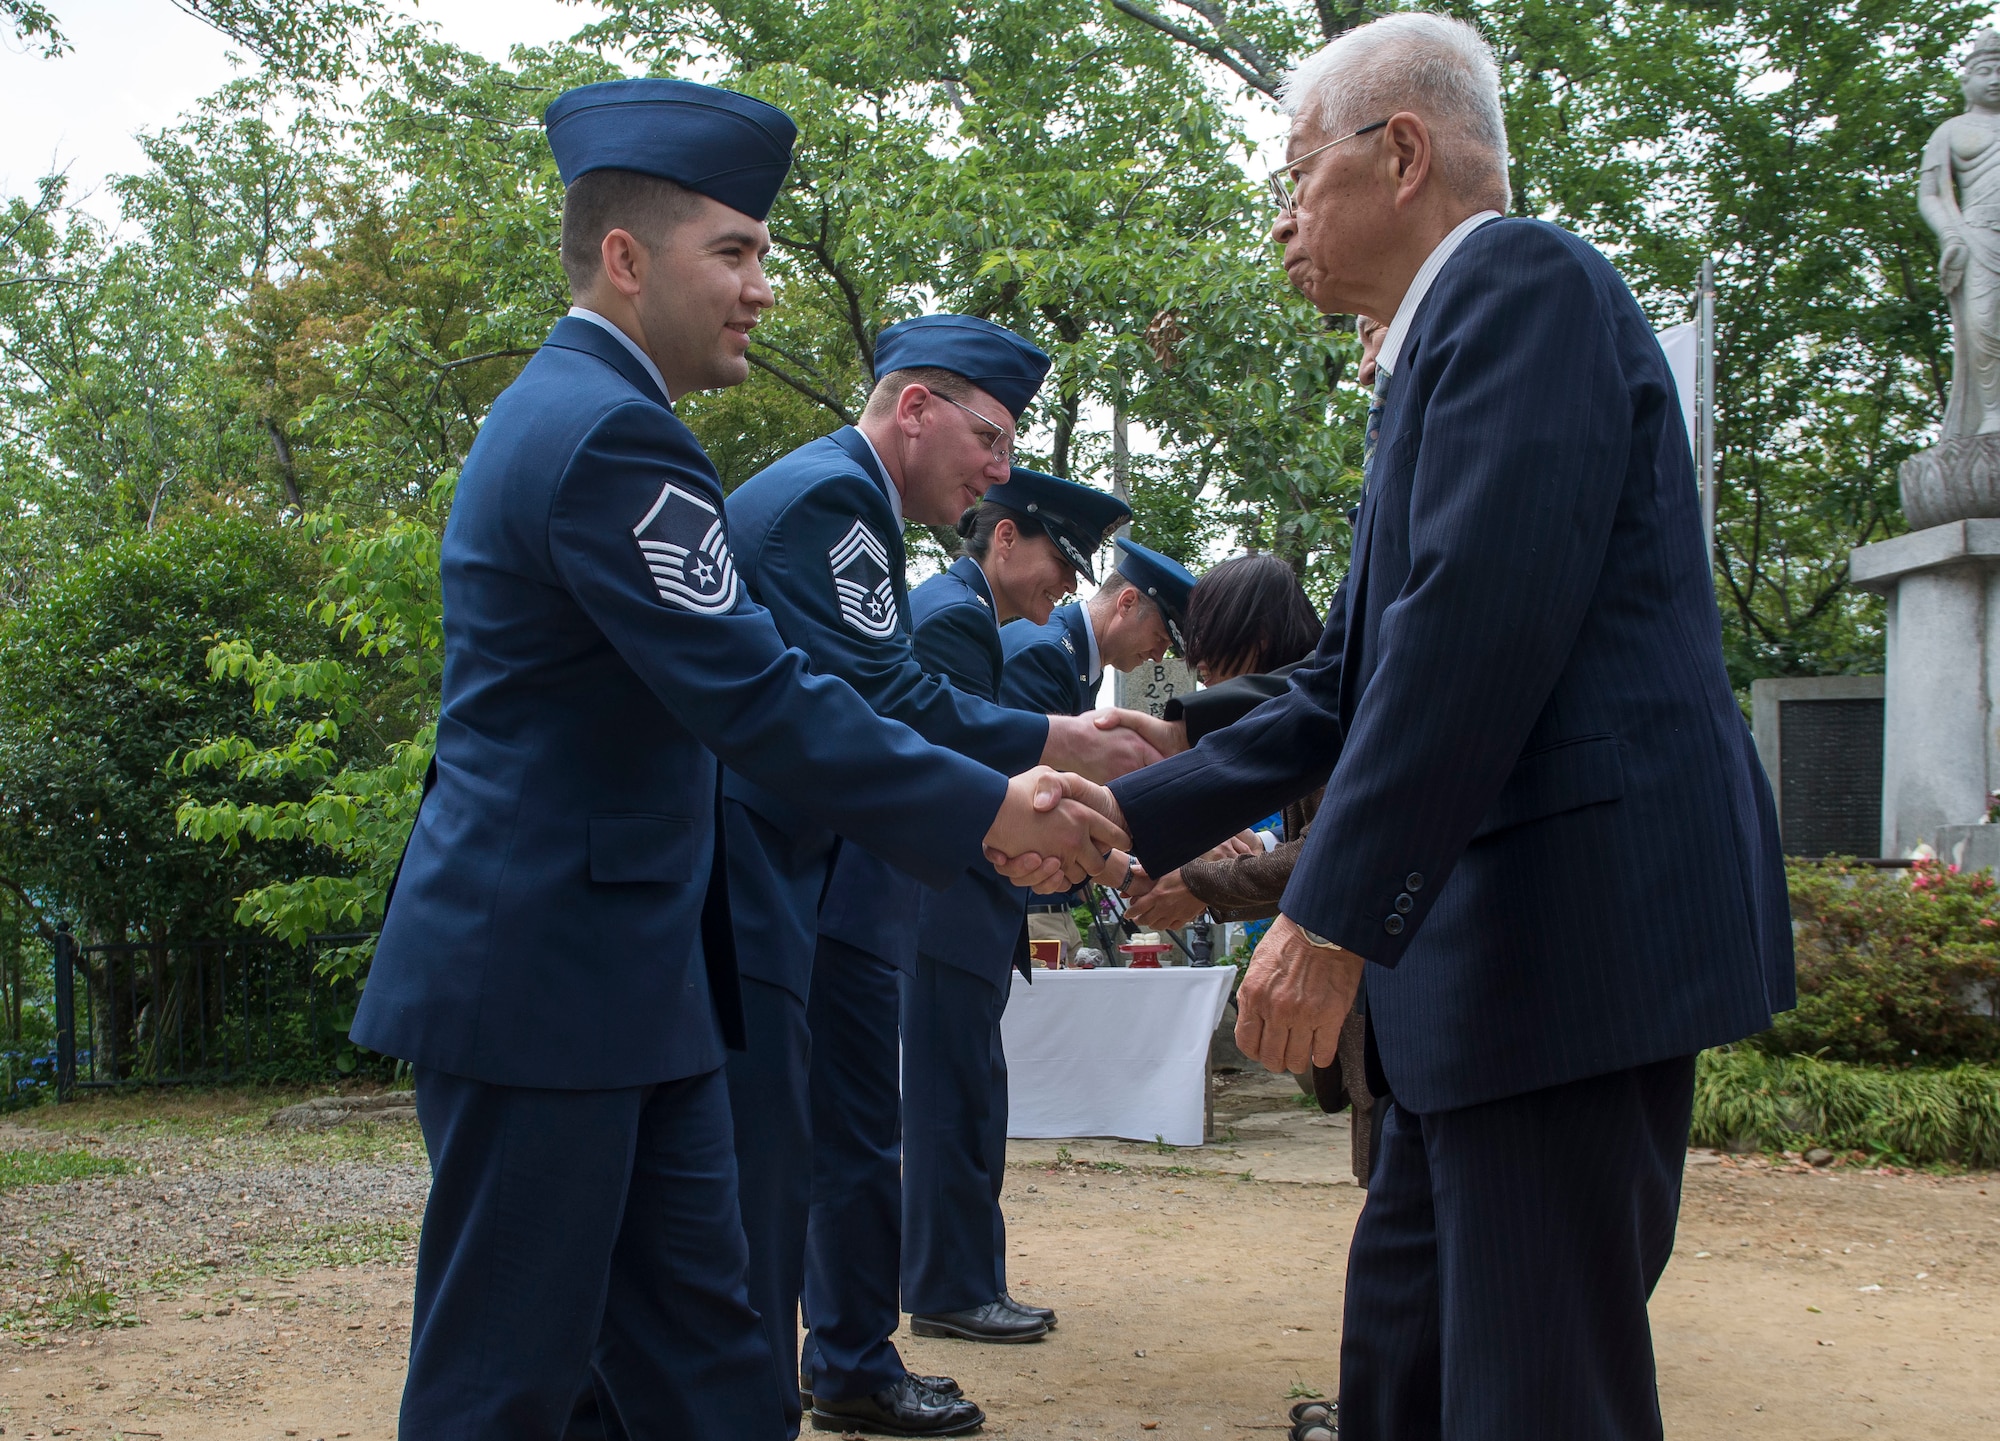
(1374, 427)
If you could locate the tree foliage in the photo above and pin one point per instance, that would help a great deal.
(102, 684)
(325, 273)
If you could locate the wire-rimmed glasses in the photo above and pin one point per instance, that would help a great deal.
(1001, 446)
(1280, 179)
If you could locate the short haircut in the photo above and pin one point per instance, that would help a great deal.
(1433, 66)
(601, 201)
(1250, 614)
(948, 383)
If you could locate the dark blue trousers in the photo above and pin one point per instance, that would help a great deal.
(583, 1240)
(768, 1101)
(954, 1139)
(854, 1240)
(1498, 1278)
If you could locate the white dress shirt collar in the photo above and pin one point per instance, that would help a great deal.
(1406, 313)
(1090, 634)
(578, 312)
(895, 495)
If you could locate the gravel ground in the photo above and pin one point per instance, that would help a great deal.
(256, 1284)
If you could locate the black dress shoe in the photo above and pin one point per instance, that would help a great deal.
(995, 1321)
(942, 1385)
(903, 1409)
(1048, 1316)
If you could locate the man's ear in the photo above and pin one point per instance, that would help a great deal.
(625, 262)
(1409, 146)
(910, 409)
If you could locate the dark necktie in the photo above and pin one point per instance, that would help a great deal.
(1374, 427)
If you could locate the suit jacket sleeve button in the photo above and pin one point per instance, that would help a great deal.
(1394, 925)
(1414, 881)
(1404, 904)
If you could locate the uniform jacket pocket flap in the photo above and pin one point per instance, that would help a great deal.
(1558, 778)
(629, 849)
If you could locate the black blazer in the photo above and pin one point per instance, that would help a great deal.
(1545, 825)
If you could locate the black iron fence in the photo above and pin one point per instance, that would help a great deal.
(207, 1011)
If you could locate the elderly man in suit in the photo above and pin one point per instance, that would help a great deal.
(1545, 833)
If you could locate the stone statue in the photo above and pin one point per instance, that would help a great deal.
(1958, 194)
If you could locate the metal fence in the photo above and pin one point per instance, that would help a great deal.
(207, 1011)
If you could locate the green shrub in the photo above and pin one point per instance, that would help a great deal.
(1745, 1099)
(1894, 968)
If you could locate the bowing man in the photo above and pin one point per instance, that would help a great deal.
(818, 540)
(1132, 620)
(972, 937)
(1545, 831)
(556, 958)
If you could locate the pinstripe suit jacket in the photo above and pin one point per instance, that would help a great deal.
(1544, 825)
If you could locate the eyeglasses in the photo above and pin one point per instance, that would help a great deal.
(1000, 445)
(1280, 179)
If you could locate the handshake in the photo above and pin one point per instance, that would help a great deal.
(1058, 826)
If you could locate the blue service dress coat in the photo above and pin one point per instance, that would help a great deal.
(1545, 827)
(976, 925)
(547, 923)
(818, 541)
(1048, 665)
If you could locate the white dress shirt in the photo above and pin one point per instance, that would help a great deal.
(1427, 273)
(578, 312)
(895, 495)
(1090, 634)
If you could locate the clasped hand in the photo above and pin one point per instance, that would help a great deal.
(1055, 829)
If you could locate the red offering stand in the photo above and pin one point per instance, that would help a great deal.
(1144, 957)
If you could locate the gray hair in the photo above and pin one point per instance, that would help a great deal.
(1433, 66)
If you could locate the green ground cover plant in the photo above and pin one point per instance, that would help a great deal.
(1747, 1100)
(45, 1168)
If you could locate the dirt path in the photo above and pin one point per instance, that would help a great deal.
(1190, 1301)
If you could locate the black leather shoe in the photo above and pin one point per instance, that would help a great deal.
(942, 1385)
(995, 1321)
(1048, 1316)
(903, 1409)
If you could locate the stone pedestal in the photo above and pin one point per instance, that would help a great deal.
(1953, 480)
(1941, 756)
(1970, 848)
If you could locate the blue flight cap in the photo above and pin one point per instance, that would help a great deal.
(991, 356)
(726, 146)
(1076, 517)
(1167, 582)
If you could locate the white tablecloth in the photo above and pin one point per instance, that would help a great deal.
(1112, 1052)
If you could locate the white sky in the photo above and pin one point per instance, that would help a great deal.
(138, 64)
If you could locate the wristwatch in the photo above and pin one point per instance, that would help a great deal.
(1318, 940)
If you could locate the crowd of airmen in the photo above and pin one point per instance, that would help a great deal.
(701, 1049)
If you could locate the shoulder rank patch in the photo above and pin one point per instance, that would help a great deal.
(861, 583)
(685, 547)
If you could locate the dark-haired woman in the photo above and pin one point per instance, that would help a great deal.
(1250, 624)
(1023, 547)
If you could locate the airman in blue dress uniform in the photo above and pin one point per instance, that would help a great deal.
(556, 958)
(970, 940)
(1024, 544)
(818, 541)
(1062, 661)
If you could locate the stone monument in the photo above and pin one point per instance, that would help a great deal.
(1941, 753)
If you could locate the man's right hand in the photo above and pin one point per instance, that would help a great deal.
(1100, 753)
(1053, 830)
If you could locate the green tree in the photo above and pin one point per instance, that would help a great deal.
(1782, 138)
(102, 684)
